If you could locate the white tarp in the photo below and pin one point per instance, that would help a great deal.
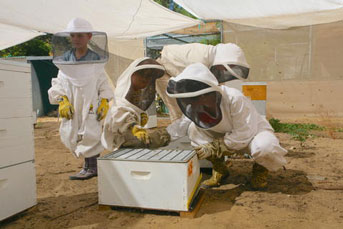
(12, 35)
(274, 14)
(21, 20)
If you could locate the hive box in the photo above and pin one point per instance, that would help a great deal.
(17, 168)
(257, 92)
(151, 179)
(184, 143)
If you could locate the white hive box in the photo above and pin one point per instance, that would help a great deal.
(257, 92)
(184, 143)
(151, 179)
(17, 171)
(17, 188)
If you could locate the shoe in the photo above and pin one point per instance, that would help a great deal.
(259, 177)
(84, 175)
(219, 173)
(215, 179)
(89, 169)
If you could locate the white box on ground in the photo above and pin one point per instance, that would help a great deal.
(151, 179)
(184, 143)
(17, 189)
(17, 171)
(11, 130)
(257, 92)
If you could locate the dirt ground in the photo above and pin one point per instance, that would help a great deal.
(308, 194)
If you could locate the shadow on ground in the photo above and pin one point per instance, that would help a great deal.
(290, 182)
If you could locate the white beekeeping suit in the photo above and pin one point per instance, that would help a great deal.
(224, 121)
(226, 61)
(81, 89)
(134, 93)
(175, 58)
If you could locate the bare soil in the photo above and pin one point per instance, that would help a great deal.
(308, 194)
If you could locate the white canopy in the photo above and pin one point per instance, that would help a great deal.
(22, 20)
(274, 14)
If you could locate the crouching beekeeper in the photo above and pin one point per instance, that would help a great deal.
(82, 91)
(134, 93)
(220, 59)
(224, 121)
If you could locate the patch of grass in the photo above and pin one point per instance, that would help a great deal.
(299, 131)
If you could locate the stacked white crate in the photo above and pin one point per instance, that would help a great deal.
(17, 172)
(257, 93)
(151, 179)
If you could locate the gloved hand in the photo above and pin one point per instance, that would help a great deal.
(102, 109)
(141, 135)
(159, 138)
(217, 148)
(144, 119)
(65, 109)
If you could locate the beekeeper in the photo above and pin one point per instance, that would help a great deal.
(226, 61)
(134, 93)
(82, 91)
(224, 121)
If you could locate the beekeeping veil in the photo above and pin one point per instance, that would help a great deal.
(198, 95)
(143, 71)
(79, 51)
(233, 62)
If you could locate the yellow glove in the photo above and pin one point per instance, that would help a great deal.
(66, 110)
(102, 109)
(144, 119)
(217, 148)
(141, 135)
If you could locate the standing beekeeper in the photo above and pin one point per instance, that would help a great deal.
(226, 61)
(82, 91)
(224, 121)
(134, 93)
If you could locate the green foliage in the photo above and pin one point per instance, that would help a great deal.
(177, 8)
(39, 46)
(299, 131)
(161, 108)
(210, 42)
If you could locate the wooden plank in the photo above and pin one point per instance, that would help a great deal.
(195, 206)
(208, 27)
(102, 207)
(194, 209)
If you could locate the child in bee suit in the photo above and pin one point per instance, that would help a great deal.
(134, 93)
(224, 121)
(82, 91)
